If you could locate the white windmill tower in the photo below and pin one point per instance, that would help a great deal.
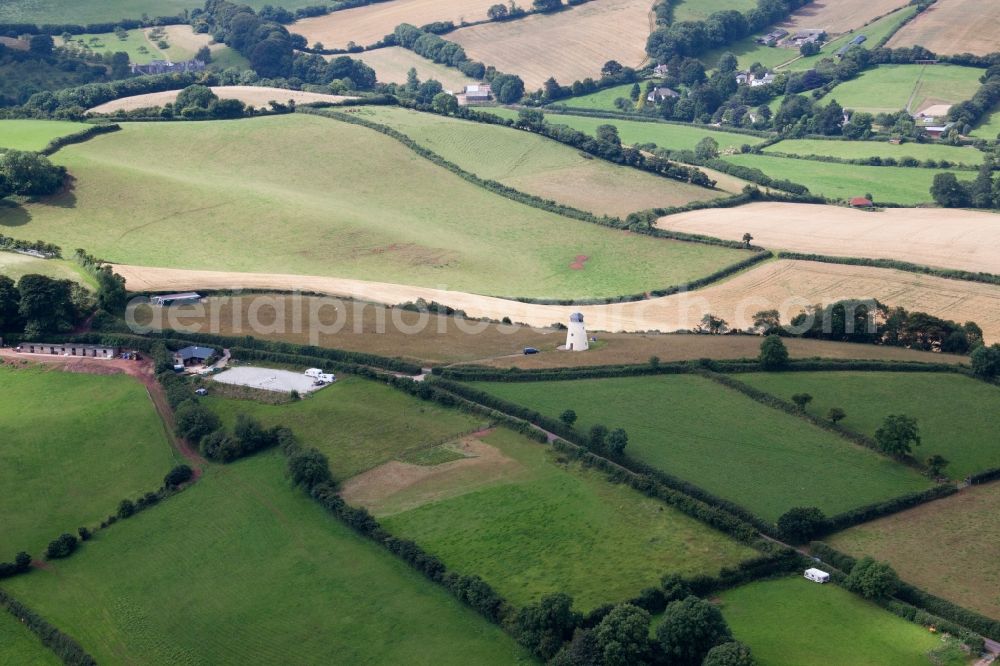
(576, 334)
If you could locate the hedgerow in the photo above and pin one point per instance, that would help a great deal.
(64, 646)
(78, 137)
(949, 273)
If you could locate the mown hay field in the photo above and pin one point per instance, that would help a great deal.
(533, 524)
(890, 88)
(318, 196)
(569, 45)
(699, 10)
(958, 416)
(74, 446)
(785, 285)
(367, 25)
(959, 239)
(357, 423)
(780, 620)
(540, 166)
(602, 99)
(948, 547)
(837, 16)
(393, 63)
(256, 96)
(109, 11)
(714, 437)
(15, 265)
(665, 135)
(900, 185)
(243, 567)
(438, 339)
(20, 646)
(867, 149)
(953, 26)
(34, 134)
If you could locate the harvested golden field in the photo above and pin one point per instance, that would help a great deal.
(569, 45)
(954, 26)
(392, 64)
(785, 285)
(838, 16)
(946, 238)
(366, 25)
(252, 95)
(431, 339)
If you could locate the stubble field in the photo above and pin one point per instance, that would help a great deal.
(257, 96)
(837, 16)
(953, 26)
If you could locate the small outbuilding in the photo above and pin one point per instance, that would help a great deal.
(192, 356)
(176, 299)
(69, 349)
(816, 575)
(861, 202)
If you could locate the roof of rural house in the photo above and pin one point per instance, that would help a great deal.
(195, 352)
(861, 201)
(178, 297)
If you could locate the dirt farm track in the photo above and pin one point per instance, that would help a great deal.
(959, 239)
(785, 285)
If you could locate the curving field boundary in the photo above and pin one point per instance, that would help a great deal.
(785, 285)
(256, 96)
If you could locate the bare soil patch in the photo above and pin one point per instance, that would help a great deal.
(785, 285)
(398, 486)
(569, 45)
(953, 26)
(255, 96)
(367, 25)
(839, 16)
(945, 238)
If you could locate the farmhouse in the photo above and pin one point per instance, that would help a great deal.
(479, 92)
(69, 349)
(176, 299)
(192, 356)
(937, 130)
(167, 67)
(767, 79)
(576, 334)
(659, 93)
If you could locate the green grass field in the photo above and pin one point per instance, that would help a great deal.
(948, 547)
(989, 127)
(540, 166)
(875, 32)
(136, 45)
(795, 621)
(73, 446)
(83, 12)
(664, 135)
(20, 647)
(602, 99)
(738, 449)
(866, 149)
(312, 196)
(349, 422)
(901, 185)
(890, 88)
(535, 526)
(958, 416)
(699, 10)
(243, 568)
(15, 265)
(34, 134)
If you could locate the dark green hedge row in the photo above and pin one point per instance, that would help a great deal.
(918, 598)
(911, 163)
(952, 274)
(614, 115)
(879, 509)
(20, 565)
(487, 374)
(78, 29)
(64, 647)
(8, 243)
(985, 476)
(78, 137)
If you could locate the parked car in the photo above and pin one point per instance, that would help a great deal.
(530, 350)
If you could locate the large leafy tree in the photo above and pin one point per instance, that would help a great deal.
(897, 435)
(871, 579)
(773, 353)
(690, 628)
(623, 636)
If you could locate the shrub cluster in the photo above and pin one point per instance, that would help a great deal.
(20, 565)
(14, 244)
(64, 647)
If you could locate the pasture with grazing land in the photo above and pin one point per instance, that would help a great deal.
(393, 63)
(357, 423)
(948, 547)
(74, 445)
(953, 26)
(714, 437)
(569, 45)
(989, 126)
(256, 96)
(853, 150)
(602, 99)
(795, 621)
(109, 11)
(369, 24)
(889, 88)
(946, 238)
(699, 10)
(676, 136)
(20, 647)
(35, 134)
(533, 524)
(242, 567)
(540, 166)
(900, 185)
(786, 285)
(15, 265)
(311, 196)
(394, 332)
(958, 416)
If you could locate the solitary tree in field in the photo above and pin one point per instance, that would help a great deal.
(713, 325)
(836, 414)
(497, 12)
(802, 399)
(707, 149)
(773, 354)
(936, 464)
(747, 238)
(568, 417)
(897, 435)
